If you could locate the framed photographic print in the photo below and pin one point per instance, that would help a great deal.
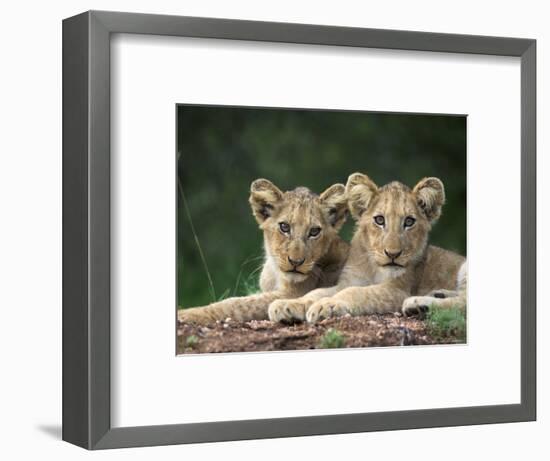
(331, 228)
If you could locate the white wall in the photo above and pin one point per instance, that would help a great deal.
(30, 226)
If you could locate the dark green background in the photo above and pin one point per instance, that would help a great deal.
(221, 150)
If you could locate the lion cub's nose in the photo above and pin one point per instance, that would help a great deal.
(296, 262)
(393, 254)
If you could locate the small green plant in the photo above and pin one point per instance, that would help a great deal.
(444, 323)
(332, 339)
(191, 341)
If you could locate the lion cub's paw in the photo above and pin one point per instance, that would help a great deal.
(417, 306)
(287, 311)
(191, 316)
(326, 308)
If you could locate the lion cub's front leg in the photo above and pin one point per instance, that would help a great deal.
(241, 309)
(442, 299)
(374, 299)
(197, 315)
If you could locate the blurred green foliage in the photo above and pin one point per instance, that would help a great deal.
(332, 339)
(443, 323)
(221, 150)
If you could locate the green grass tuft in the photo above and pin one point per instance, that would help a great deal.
(332, 339)
(444, 323)
(191, 341)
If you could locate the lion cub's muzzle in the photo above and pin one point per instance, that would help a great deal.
(296, 267)
(295, 264)
(392, 258)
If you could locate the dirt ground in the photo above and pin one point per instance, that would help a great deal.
(371, 330)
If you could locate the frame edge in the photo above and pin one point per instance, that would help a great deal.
(529, 231)
(75, 231)
(312, 34)
(86, 229)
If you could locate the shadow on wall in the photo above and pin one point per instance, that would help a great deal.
(54, 431)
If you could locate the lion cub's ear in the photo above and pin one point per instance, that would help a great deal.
(264, 197)
(360, 190)
(430, 197)
(335, 204)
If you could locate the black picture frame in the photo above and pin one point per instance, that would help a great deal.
(86, 229)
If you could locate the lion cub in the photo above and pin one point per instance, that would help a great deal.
(390, 266)
(302, 249)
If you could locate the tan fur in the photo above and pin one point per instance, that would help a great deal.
(321, 257)
(367, 283)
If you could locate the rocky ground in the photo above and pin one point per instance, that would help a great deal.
(367, 331)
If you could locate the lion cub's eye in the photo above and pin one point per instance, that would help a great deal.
(379, 220)
(285, 227)
(314, 231)
(409, 221)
